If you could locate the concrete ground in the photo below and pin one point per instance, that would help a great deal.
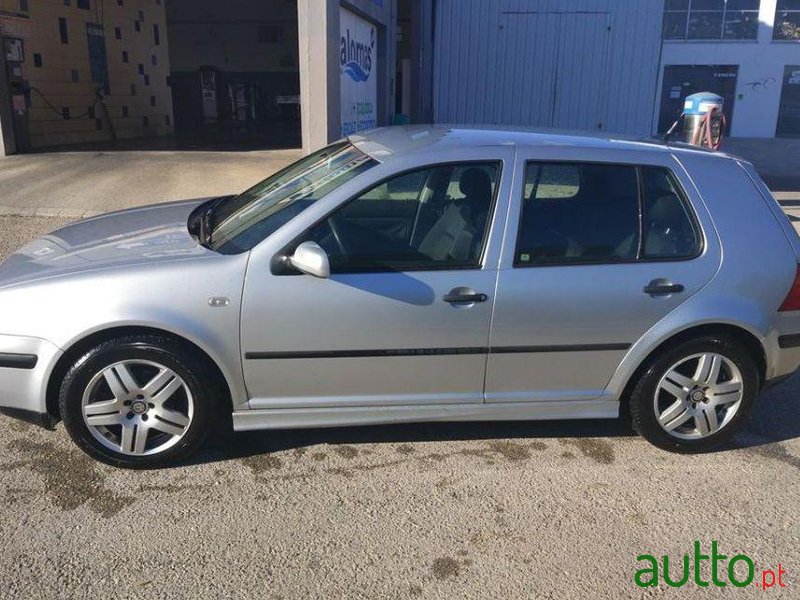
(485, 510)
(80, 184)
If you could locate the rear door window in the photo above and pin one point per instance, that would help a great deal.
(579, 213)
(589, 213)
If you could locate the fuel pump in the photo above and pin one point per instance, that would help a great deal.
(19, 89)
(703, 120)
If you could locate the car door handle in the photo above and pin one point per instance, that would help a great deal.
(662, 287)
(462, 295)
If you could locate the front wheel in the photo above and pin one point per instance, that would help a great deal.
(696, 395)
(137, 402)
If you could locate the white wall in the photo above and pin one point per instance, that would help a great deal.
(756, 107)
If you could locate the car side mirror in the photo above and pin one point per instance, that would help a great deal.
(309, 258)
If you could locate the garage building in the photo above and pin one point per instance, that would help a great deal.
(272, 73)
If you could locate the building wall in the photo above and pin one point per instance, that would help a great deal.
(62, 108)
(236, 35)
(761, 65)
(587, 64)
(319, 55)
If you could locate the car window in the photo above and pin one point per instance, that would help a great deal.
(578, 213)
(433, 218)
(668, 229)
(244, 221)
(553, 181)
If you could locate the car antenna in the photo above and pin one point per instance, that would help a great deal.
(672, 129)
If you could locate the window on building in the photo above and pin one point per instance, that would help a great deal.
(133, 89)
(125, 57)
(65, 112)
(711, 19)
(23, 5)
(156, 35)
(124, 112)
(62, 30)
(37, 60)
(137, 25)
(75, 75)
(84, 4)
(787, 20)
(147, 79)
(118, 33)
(152, 100)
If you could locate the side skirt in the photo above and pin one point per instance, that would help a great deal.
(299, 418)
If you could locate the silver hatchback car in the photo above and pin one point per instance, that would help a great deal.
(414, 274)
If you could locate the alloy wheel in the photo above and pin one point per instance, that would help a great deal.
(698, 396)
(137, 407)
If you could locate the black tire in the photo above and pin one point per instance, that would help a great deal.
(156, 348)
(642, 406)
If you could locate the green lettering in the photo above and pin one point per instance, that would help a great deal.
(685, 576)
(750, 573)
(714, 558)
(698, 557)
(653, 571)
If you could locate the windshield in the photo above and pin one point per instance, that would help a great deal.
(242, 222)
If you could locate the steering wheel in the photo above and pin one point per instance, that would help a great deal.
(334, 227)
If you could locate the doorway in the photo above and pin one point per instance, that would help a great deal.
(789, 111)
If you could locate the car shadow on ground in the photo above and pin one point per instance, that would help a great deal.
(776, 419)
(226, 445)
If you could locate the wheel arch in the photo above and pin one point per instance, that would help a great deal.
(746, 338)
(81, 345)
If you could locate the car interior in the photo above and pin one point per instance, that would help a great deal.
(588, 213)
(422, 219)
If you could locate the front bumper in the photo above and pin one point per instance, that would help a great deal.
(25, 367)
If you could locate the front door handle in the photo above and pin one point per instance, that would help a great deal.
(662, 287)
(464, 295)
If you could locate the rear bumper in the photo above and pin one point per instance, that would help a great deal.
(25, 367)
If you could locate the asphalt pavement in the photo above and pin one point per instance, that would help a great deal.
(479, 510)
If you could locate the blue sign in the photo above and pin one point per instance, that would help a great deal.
(356, 55)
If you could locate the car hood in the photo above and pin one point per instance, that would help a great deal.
(130, 237)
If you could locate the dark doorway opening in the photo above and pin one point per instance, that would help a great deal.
(234, 72)
(789, 112)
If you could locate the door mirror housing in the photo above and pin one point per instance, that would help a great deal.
(310, 259)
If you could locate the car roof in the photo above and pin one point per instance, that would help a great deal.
(386, 143)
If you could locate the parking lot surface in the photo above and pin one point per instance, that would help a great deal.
(480, 510)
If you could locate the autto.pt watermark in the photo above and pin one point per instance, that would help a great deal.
(704, 570)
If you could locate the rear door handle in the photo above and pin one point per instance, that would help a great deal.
(463, 295)
(662, 287)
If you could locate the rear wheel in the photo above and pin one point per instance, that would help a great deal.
(696, 395)
(137, 402)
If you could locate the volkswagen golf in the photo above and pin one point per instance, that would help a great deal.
(414, 274)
